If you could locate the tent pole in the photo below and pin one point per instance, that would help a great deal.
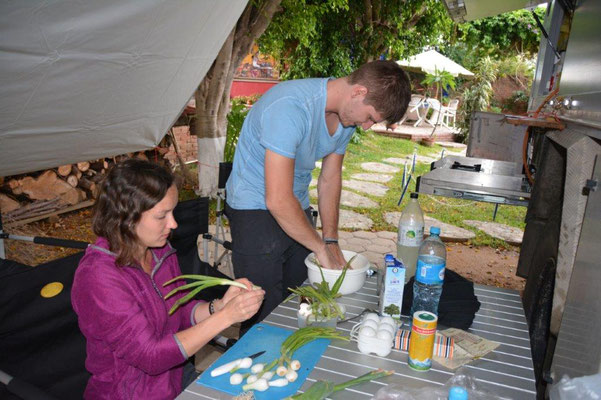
(2, 254)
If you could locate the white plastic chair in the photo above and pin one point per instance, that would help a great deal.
(450, 114)
(414, 110)
(435, 119)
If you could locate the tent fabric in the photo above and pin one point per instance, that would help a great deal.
(85, 80)
(431, 60)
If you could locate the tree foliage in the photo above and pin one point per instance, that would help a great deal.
(322, 38)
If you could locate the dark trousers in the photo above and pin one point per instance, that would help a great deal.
(267, 256)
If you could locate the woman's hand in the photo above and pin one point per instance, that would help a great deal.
(240, 304)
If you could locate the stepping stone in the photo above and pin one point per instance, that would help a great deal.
(318, 164)
(407, 159)
(453, 145)
(372, 177)
(507, 233)
(371, 188)
(448, 233)
(379, 167)
(313, 183)
(351, 199)
(349, 220)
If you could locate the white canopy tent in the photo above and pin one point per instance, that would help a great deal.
(85, 80)
(430, 60)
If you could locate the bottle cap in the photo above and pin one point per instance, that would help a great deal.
(434, 230)
(414, 195)
(458, 393)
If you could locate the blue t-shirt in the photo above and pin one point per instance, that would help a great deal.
(289, 120)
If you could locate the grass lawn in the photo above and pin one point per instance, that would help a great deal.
(375, 148)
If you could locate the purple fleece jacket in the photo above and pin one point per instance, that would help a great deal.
(132, 351)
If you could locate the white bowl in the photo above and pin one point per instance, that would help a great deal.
(354, 278)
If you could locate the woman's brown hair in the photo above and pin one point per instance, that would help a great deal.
(130, 188)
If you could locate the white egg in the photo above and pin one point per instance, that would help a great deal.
(371, 324)
(385, 335)
(388, 320)
(386, 327)
(372, 317)
(367, 331)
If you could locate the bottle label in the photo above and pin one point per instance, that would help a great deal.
(431, 273)
(411, 235)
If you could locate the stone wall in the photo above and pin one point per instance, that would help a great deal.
(187, 144)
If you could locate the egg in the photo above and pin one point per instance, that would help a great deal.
(385, 327)
(370, 323)
(372, 317)
(367, 331)
(385, 335)
(388, 320)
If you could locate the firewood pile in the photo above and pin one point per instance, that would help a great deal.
(33, 196)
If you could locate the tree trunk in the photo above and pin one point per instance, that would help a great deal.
(212, 96)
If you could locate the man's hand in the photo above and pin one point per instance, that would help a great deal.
(328, 258)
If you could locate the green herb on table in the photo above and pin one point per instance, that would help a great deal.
(322, 389)
(323, 299)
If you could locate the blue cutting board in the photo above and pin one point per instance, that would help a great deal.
(269, 338)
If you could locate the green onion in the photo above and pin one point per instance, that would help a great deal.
(322, 389)
(202, 282)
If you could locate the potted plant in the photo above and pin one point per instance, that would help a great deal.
(318, 305)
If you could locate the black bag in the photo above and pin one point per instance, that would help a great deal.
(458, 304)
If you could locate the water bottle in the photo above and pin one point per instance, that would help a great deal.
(410, 236)
(429, 275)
(458, 393)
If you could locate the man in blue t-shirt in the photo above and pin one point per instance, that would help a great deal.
(293, 125)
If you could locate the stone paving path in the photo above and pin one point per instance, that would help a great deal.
(408, 159)
(351, 199)
(379, 167)
(381, 178)
(509, 234)
(371, 188)
(349, 220)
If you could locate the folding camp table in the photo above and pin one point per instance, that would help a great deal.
(507, 371)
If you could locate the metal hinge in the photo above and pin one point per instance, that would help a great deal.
(590, 186)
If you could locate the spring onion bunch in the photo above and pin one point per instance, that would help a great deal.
(322, 298)
(322, 389)
(286, 366)
(202, 282)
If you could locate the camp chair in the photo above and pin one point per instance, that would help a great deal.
(42, 351)
(414, 110)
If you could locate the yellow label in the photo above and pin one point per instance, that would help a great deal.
(51, 289)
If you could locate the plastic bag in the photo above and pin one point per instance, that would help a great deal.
(462, 378)
(584, 387)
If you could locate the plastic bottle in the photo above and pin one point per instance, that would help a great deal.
(410, 236)
(429, 276)
(458, 393)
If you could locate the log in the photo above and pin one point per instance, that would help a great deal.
(72, 196)
(141, 155)
(15, 186)
(8, 204)
(83, 166)
(99, 165)
(89, 187)
(45, 187)
(72, 180)
(36, 208)
(64, 170)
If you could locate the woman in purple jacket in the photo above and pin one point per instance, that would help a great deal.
(135, 350)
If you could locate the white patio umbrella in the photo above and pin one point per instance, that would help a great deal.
(430, 60)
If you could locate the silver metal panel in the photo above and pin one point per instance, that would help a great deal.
(581, 152)
(495, 183)
(578, 352)
(507, 371)
(580, 78)
(492, 138)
